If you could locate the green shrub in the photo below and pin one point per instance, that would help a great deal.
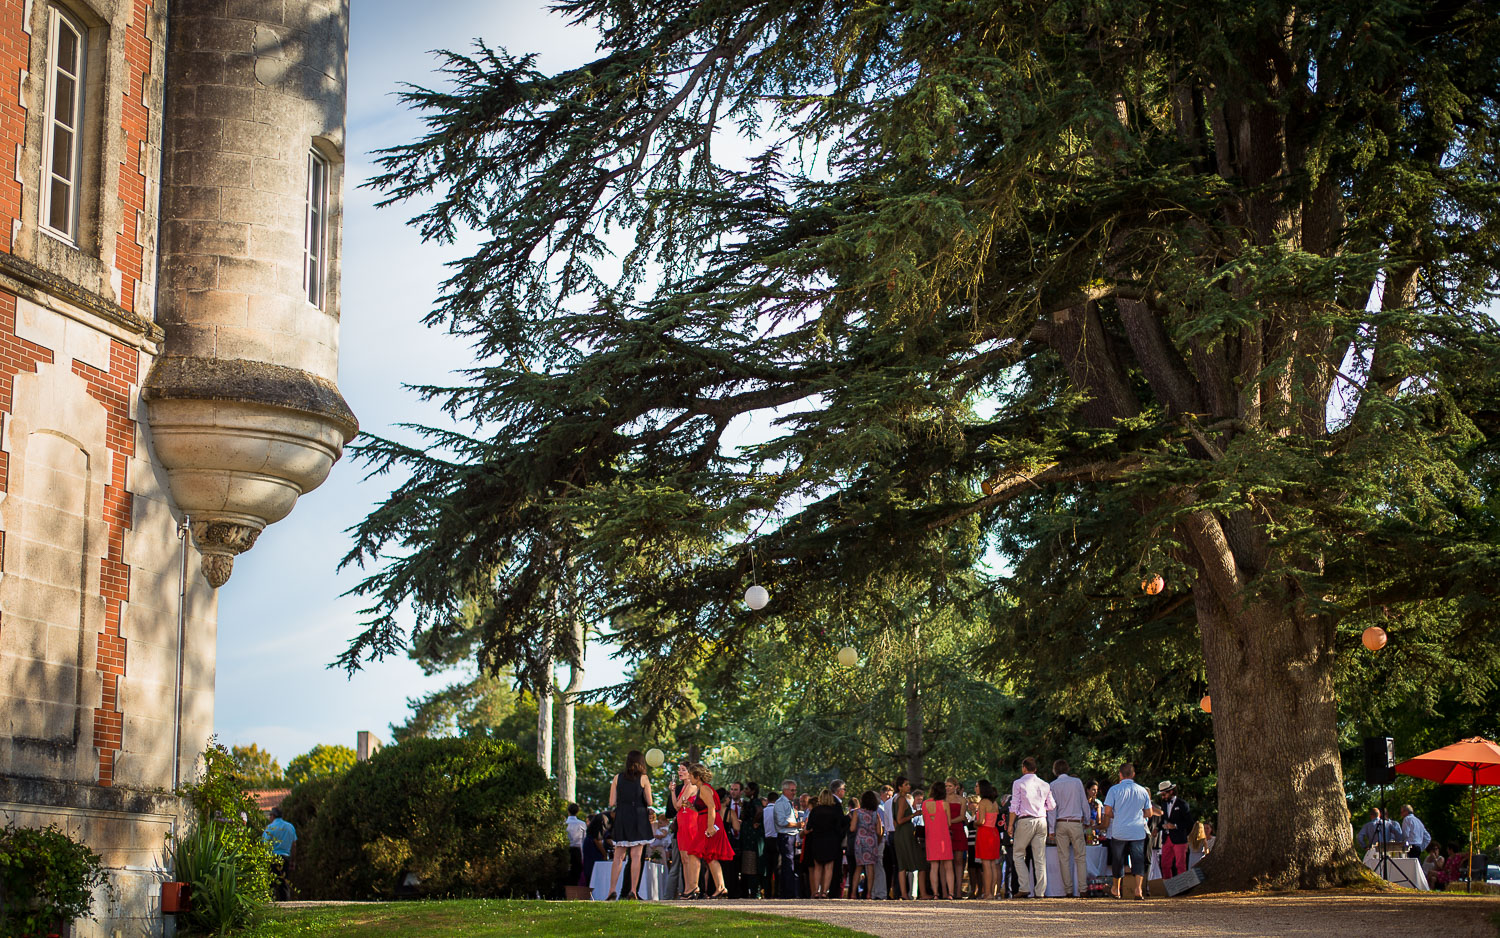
(204, 857)
(225, 813)
(466, 817)
(300, 809)
(46, 878)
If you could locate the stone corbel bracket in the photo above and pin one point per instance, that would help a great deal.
(240, 441)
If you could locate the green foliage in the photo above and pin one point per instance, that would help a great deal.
(220, 804)
(464, 708)
(467, 816)
(300, 809)
(321, 761)
(209, 857)
(258, 768)
(46, 878)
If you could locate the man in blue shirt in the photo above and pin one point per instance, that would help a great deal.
(1414, 832)
(1127, 808)
(282, 837)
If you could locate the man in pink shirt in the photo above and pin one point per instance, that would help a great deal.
(1030, 800)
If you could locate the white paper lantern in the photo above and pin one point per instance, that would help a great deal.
(848, 657)
(655, 757)
(756, 597)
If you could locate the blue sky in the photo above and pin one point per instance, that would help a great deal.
(281, 616)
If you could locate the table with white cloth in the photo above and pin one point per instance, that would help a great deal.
(1097, 857)
(652, 879)
(1403, 871)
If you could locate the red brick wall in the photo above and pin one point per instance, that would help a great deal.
(112, 389)
(15, 55)
(134, 120)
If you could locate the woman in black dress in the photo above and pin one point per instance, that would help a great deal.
(630, 795)
(826, 828)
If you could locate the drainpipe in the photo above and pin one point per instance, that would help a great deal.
(183, 527)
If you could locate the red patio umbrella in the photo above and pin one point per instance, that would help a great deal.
(1474, 761)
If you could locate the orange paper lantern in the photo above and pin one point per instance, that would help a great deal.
(1206, 704)
(1153, 585)
(1374, 638)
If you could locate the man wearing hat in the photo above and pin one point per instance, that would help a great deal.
(1176, 824)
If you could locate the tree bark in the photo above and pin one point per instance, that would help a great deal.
(567, 763)
(544, 718)
(914, 727)
(1283, 820)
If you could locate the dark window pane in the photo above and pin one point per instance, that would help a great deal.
(62, 198)
(64, 101)
(62, 153)
(67, 47)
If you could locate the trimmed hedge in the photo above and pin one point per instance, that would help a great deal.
(466, 817)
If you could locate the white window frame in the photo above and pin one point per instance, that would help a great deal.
(315, 234)
(57, 20)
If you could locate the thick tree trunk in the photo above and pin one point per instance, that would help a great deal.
(567, 764)
(544, 719)
(1283, 820)
(913, 728)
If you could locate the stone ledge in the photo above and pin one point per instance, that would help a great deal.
(23, 277)
(58, 794)
(178, 377)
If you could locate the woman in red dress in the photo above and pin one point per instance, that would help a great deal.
(987, 839)
(689, 831)
(715, 844)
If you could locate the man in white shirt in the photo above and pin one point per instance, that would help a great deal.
(1026, 822)
(1066, 823)
(1127, 808)
(576, 826)
(1414, 831)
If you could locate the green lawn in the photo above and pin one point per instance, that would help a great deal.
(484, 918)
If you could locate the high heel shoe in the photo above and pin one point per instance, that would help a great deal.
(611, 897)
(694, 896)
(721, 894)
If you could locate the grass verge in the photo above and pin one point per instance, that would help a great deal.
(487, 918)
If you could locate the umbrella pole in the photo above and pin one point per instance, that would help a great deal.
(1472, 788)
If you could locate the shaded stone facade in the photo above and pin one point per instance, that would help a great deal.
(169, 236)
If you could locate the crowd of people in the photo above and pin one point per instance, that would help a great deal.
(902, 841)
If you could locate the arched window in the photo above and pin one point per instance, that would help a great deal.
(63, 148)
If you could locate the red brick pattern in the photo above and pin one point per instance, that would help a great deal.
(112, 389)
(134, 121)
(15, 52)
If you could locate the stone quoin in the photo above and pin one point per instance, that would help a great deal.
(170, 224)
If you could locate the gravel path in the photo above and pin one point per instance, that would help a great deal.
(1232, 916)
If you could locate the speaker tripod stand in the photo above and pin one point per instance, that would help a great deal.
(1385, 858)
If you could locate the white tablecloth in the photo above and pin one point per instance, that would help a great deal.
(651, 880)
(1096, 856)
(1403, 871)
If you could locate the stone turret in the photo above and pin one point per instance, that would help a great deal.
(243, 403)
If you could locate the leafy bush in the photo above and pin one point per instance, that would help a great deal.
(205, 858)
(300, 809)
(46, 878)
(232, 824)
(466, 817)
